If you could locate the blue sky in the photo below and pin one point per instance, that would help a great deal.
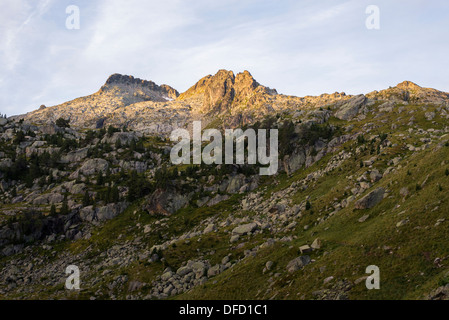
(298, 47)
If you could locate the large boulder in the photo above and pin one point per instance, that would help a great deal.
(107, 212)
(375, 175)
(245, 229)
(91, 167)
(371, 199)
(298, 263)
(235, 183)
(351, 108)
(48, 198)
(110, 211)
(75, 156)
(199, 268)
(88, 214)
(294, 161)
(165, 202)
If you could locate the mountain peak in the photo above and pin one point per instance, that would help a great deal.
(126, 82)
(407, 85)
(226, 90)
(121, 78)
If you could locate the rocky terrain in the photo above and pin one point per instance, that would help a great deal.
(362, 181)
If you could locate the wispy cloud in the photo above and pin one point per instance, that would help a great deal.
(298, 47)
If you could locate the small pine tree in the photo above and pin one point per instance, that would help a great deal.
(118, 144)
(361, 139)
(108, 175)
(107, 196)
(53, 210)
(63, 123)
(86, 199)
(65, 206)
(100, 180)
(115, 195)
(308, 205)
(111, 131)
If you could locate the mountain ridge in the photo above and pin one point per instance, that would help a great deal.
(124, 100)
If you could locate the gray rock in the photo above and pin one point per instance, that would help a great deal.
(49, 198)
(245, 229)
(215, 270)
(104, 213)
(375, 175)
(77, 188)
(234, 238)
(167, 276)
(147, 229)
(88, 214)
(298, 263)
(134, 286)
(316, 244)
(351, 108)
(93, 166)
(110, 211)
(209, 228)
(235, 183)
(328, 279)
(225, 260)
(199, 268)
(75, 156)
(269, 265)
(364, 218)
(402, 223)
(371, 199)
(165, 202)
(184, 271)
(294, 161)
(429, 115)
(305, 249)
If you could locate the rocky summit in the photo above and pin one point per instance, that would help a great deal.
(362, 181)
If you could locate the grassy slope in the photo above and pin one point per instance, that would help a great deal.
(407, 268)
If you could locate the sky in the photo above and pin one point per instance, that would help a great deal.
(299, 47)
